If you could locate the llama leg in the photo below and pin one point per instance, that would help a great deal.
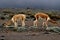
(23, 20)
(46, 24)
(15, 23)
(35, 23)
(23, 23)
(43, 24)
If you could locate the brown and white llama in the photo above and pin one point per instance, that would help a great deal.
(43, 16)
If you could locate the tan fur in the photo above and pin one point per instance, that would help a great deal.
(7, 23)
(19, 17)
(44, 16)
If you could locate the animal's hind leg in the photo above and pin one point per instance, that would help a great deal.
(23, 23)
(44, 24)
(23, 20)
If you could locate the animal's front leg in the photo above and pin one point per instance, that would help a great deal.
(45, 24)
(35, 23)
(15, 23)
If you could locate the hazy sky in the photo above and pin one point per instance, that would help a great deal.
(30, 3)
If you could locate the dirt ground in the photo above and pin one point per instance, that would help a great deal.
(29, 35)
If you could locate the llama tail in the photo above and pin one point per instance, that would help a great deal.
(52, 21)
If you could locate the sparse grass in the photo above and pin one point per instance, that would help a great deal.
(33, 28)
(54, 29)
(22, 29)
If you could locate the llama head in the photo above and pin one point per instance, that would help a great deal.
(7, 23)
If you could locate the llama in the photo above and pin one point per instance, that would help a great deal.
(15, 19)
(45, 17)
